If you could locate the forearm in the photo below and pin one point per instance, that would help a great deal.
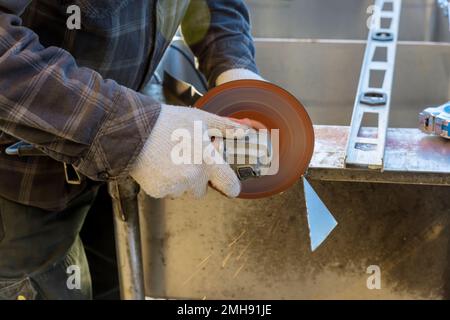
(220, 36)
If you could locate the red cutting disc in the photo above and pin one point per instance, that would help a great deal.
(275, 108)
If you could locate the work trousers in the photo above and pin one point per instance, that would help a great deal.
(41, 253)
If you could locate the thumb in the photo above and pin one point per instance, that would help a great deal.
(224, 179)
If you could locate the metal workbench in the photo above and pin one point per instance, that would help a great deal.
(411, 157)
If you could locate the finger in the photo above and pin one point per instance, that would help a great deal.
(224, 179)
(199, 185)
(200, 190)
(177, 191)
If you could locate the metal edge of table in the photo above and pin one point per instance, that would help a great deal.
(411, 157)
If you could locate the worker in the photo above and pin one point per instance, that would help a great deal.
(73, 94)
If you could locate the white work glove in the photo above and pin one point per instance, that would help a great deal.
(159, 175)
(237, 74)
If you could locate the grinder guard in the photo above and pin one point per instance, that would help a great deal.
(275, 108)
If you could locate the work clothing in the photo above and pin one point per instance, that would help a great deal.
(51, 96)
(39, 247)
(72, 94)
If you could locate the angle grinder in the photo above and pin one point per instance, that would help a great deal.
(290, 140)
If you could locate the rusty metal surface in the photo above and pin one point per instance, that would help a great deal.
(413, 151)
(410, 157)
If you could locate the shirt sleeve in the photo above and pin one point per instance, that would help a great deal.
(70, 113)
(219, 34)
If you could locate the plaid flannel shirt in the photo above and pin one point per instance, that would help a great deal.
(72, 92)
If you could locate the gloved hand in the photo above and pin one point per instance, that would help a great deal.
(237, 74)
(159, 175)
